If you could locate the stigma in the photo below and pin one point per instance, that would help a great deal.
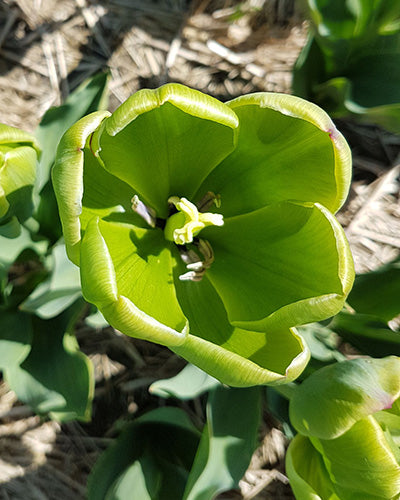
(184, 225)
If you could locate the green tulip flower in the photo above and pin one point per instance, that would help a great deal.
(348, 417)
(208, 227)
(18, 159)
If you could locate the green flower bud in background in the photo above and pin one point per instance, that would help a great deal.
(348, 419)
(18, 160)
(209, 227)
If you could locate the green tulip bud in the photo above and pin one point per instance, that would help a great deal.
(348, 418)
(18, 159)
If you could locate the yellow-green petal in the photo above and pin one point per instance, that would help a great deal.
(281, 266)
(288, 149)
(235, 356)
(67, 177)
(164, 142)
(119, 272)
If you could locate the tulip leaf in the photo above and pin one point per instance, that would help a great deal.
(164, 142)
(232, 355)
(63, 385)
(375, 300)
(279, 286)
(284, 140)
(322, 342)
(15, 338)
(369, 334)
(334, 398)
(190, 383)
(377, 293)
(150, 459)
(11, 248)
(352, 47)
(57, 293)
(227, 443)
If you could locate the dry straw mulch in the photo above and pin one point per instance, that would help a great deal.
(222, 47)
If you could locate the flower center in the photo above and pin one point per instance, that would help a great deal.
(184, 225)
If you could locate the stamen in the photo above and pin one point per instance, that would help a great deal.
(197, 268)
(208, 200)
(147, 213)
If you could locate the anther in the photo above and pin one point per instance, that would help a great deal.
(147, 213)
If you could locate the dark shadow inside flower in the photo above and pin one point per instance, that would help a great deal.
(146, 244)
(108, 197)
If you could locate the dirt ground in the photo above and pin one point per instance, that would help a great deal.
(221, 47)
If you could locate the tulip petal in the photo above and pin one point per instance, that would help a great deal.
(127, 273)
(288, 149)
(11, 135)
(67, 177)
(280, 266)
(306, 471)
(234, 356)
(19, 152)
(361, 462)
(332, 399)
(164, 142)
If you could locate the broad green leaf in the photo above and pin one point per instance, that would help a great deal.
(96, 320)
(140, 481)
(89, 97)
(57, 293)
(306, 471)
(190, 383)
(368, 333)
(160, 444)
(227, 444)
(288, 149)
(55, 378)
(291, 262)
(11, 248)
(375, 299)
(232, 355)
(309, 69)
(377, 293)
(15, 338)
(164, 142)
(353, 46)
(323, 342)
(334, 398)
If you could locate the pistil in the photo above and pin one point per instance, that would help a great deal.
(184, 225)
